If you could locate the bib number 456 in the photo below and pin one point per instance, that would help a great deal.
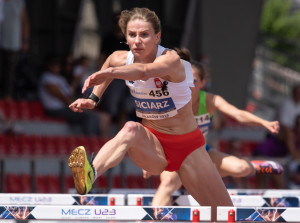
(158, 93)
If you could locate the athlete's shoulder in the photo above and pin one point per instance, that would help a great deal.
(170, 52)
(118, 58)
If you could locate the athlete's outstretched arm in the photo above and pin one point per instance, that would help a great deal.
(167, 65)
(84, 103)
(241, 116)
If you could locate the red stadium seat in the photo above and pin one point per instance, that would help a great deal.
(155, 181)
(3, 148)
(13, 145)
(71, 143)
(26, 145)
(38, 145)
(69, 183)
(25, 111)
(62, 146)
(25, 180)
(12, 110)
(135, 181)
(102, 182)
(13, 183)
(84, 141)
(117, 181)
(41, 184)
(37, 110)
(50, 146)
(4, 107)
(248, 147)
(223, 146)
(53, 184)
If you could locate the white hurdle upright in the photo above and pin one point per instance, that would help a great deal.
(262, 214)
(98, 213)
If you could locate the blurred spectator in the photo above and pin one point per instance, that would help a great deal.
(80, 73)
(56, 94)
(288, 113)
(273, 146)
(285, 143)
(122, 108)
(8, 126)
(14, 39)
(290, 108)
(67, 67)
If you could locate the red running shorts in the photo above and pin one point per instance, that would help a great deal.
(178, 147)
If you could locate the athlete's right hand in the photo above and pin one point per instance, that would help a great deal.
(82, 103)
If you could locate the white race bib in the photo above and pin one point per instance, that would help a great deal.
(153, 103)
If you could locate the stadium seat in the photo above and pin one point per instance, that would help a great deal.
(37, 110)
(26, 147)
(102, 182)
(13, 145)
(25, 112)
(117, 181)
(50, 146)
(3, 148)
(25, 180)
(69, 183)
(71, 143)
(53, 184)
(155, 181)
(135, 181)
(41, 184)
(248, 147)
(62, 145)
(84, 141)
(12, 183)
(12, 110)
(223, 146)
(3, 107)
(38, 145)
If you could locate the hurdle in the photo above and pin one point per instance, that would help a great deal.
(265, 192)
(238, 200)
(100, 213)
(263, 214)
(62, 199)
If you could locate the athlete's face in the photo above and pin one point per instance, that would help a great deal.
(141, 37)
(197, 81)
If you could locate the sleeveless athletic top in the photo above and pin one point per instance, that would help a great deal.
(156, 98)
(203, 119)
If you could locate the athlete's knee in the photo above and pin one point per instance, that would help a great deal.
(242, 168)
(170, 183)
(130, 129)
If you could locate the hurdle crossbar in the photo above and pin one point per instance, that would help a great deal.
(238, 200)
(62, 199)
(263, 214)
(265, 192)
(121, 213)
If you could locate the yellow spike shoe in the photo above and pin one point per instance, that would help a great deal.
(82, 170)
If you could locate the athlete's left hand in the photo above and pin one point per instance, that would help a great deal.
(273, 126)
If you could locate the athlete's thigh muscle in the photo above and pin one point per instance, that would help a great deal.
(147, 152)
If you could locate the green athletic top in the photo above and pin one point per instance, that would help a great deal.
(203, 119)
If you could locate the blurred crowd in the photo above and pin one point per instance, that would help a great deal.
(60, 79)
